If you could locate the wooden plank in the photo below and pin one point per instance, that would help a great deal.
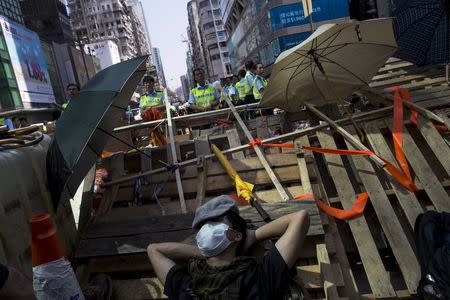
(134, 237)
(155, 224)
(444, 117)
(202, 148)
(115, 170)
(430, 182)
(234, 141)
(408, 201)
(377, 276)
(259, 153)
(326, 271)
(323, 259)
(392, 228)
(174, 155)
(333, 240)
(436, 143)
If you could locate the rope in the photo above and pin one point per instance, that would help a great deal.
(19, 138)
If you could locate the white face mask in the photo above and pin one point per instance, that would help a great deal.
(212, 238)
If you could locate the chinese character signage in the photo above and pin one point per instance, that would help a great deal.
(293, 14)
(28, 61)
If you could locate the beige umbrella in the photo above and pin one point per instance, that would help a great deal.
(335, 61)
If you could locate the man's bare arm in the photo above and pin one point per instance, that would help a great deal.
(163, 256)
(291, 229)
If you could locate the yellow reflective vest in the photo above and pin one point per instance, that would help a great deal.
(203, 97)
(151, 100)
(243, 88)
(256, 93)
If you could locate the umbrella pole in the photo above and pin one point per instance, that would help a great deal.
(350, 138)
(174, 154)
(259, 153)
(423, 111)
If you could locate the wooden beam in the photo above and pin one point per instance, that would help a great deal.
(350, 138)
(174, 154)
(287, 136)
(373, 265)
(392, 228)
(407, 199)
(201, 115)
(259, 153)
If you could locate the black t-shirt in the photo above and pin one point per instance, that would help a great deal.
(266, 280)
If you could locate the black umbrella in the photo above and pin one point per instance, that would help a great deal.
(422, 31)
(85, 126)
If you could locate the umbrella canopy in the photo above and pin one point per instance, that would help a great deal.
(422, 30)
(331, 64)
(82, 131)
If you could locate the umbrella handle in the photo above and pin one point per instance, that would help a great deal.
(264, 215)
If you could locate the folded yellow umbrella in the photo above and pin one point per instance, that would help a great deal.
(243, 189)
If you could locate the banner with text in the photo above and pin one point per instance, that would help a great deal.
(27, 59)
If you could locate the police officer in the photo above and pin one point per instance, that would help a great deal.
(72, 90)
(259, 83)
(152, 98)
(203, 96)
(242, 87)
(250, 66)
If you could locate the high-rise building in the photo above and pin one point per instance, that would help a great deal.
(159, 66)
(139, 27)
(208, 37)
(185, 87)
(49, 19)
(11, 9)
(99, 20)
(198, 58)
(259, 30)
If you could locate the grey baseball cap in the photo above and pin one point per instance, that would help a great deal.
(214, 208)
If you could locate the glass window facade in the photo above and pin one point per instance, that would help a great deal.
(9, 94)
(252, 38)
(11, 9)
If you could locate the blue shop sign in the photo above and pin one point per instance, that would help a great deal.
(292, 14)
(289, 41)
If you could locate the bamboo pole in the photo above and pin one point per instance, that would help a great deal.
(185, 117)
(287, 136)
(259, 153)
(350, 138)
(174, 154)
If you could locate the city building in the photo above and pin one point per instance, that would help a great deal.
(49, 19)
(186, 87)
(260, 30)
(11, 10)
(25, 79)
(106, 51)
(159, 66)
(138, 10)
(140, 31)
(208, 37)
(197, 58)
(94, 21)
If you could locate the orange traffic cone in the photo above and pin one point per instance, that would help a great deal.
(45, 243)
(53, 277)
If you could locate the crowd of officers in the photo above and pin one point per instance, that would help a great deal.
(245, 88)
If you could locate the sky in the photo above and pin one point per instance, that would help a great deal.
(167, 22)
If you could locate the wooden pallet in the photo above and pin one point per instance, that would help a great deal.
(387, 224)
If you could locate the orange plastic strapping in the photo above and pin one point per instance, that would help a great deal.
(258, 142)
(341, 214)
(395, 172)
